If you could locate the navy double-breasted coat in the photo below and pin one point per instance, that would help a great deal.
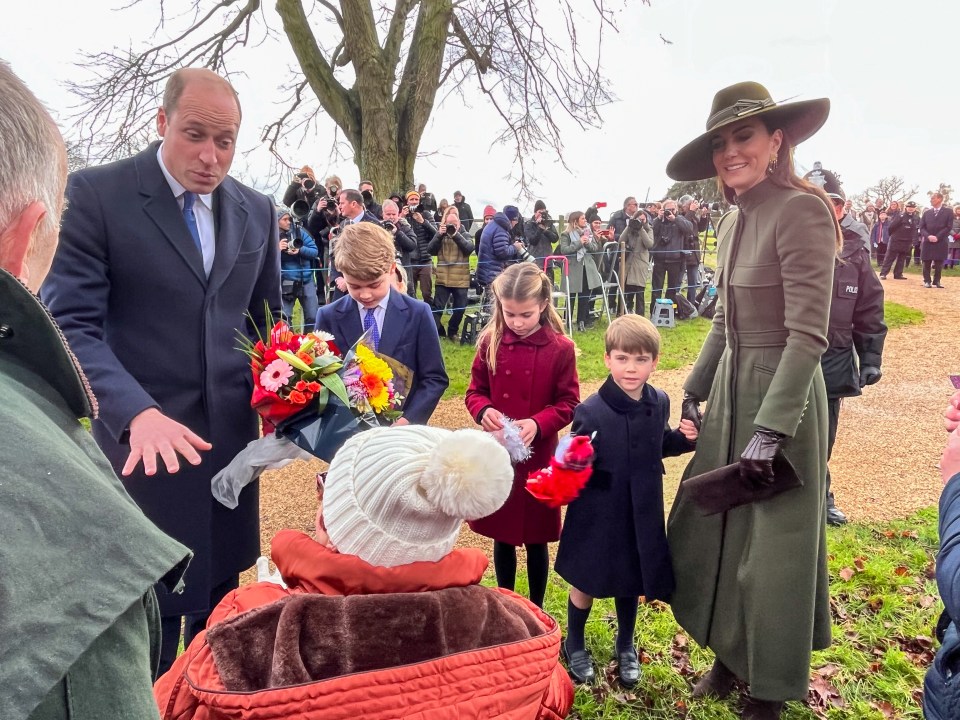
(614, 543)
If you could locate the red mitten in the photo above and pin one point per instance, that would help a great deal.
(568, 473)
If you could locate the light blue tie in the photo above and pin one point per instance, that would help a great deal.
(369, 321)
(191, 219)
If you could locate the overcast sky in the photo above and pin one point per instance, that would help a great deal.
(889, 77)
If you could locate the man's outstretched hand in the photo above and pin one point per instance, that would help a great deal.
(152, 433)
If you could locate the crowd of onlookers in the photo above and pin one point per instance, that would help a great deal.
(450, 254)
(901, 231)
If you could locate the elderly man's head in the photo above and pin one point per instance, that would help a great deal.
(33, 175)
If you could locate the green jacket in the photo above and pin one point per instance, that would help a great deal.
(78, 621)
(752, 582)
(570, 246)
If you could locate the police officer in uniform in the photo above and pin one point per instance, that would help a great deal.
(857, 330)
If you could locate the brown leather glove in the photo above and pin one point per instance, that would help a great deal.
(756, 462)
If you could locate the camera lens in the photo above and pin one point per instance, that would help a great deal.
(296, 243)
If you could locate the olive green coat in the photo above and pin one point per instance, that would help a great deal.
(752, 582)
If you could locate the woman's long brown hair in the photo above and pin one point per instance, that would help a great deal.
(519, 283)
(785, 175)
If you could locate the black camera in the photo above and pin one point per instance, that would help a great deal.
(451, 229)
(545, 218)
(367, 196)
(296, 241)
(307, 184)
(389, 226)
(300, 209)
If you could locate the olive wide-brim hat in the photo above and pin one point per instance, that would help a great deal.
(799, 120)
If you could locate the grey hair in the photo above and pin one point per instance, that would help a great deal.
(33, 158)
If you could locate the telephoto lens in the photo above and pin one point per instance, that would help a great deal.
(308, 184)
(451, 229)
(296, 242)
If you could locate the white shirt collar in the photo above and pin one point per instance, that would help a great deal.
(382, 305)
(175, 185)
(358, 218)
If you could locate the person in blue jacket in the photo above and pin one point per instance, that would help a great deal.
(498, 247)
(941, 689)
(298, 250)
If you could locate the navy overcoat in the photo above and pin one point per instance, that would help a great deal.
(614, 543)
(128, 289)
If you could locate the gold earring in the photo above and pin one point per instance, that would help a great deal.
(772, 165)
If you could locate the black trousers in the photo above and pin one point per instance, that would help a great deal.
(937, 270)
(633, 295)
(896, 259)
(584, 304)
(192, 625)
(673, 272)
(442, 295)
(833, 417)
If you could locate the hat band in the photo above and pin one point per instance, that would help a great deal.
(738, 109)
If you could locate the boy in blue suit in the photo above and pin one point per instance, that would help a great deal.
(403, 327)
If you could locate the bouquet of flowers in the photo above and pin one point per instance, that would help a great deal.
(568, 472)
(311, 398)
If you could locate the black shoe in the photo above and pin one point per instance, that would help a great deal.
(717, 683)
(835, 516)
(628, 667)
(938, 285)
(579, 665)
(441, 332)
(899, 277)
(754, 709)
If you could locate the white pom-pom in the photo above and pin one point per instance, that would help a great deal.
(469, 476)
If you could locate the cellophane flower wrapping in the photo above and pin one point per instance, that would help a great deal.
(509, 437)
(570, 468)
(311, 401)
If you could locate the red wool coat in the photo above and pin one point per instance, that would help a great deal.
(536, 378)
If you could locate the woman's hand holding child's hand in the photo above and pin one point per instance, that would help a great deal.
(528, 430)
(688, 430)
(492, 420)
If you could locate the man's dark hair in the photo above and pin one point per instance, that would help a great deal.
(627, 201)
(352, 195)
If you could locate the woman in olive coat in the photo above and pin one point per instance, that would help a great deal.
(752, 582)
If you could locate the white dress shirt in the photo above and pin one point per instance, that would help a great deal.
(202, 210)
(379, 312)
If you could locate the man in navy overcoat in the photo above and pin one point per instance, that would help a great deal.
(160, 257)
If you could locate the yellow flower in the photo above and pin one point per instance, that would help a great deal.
(370, 364)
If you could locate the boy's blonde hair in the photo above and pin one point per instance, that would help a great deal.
(365, 251)
(632, 334)
(518, 283)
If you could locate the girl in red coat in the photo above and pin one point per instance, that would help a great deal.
(525, 370)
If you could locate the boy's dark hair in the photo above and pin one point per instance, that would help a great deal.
(632, 334)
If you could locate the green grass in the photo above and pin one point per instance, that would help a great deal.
(884, 605)
(896, 315)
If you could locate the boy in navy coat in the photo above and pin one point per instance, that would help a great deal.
(613, 542)
(402, 327)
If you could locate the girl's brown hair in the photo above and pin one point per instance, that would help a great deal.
(784, 175)
(519, 283)
(572, 220)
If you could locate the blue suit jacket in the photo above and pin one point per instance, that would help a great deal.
(150, 329)
(409, 336)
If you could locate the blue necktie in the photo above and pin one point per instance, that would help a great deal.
(191, 219)
(369, 321)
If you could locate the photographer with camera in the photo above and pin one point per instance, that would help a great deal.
(637, 240)
(619, 219)
(303, 187)
(540, 234)
(370, 203)
(298, 251)
(421, 262)
(403, 236)
(670, 232)
(351, 211)
(452, 247)
(690, 210)
(324, 215)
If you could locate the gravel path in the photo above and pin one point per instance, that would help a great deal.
(885, 460)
